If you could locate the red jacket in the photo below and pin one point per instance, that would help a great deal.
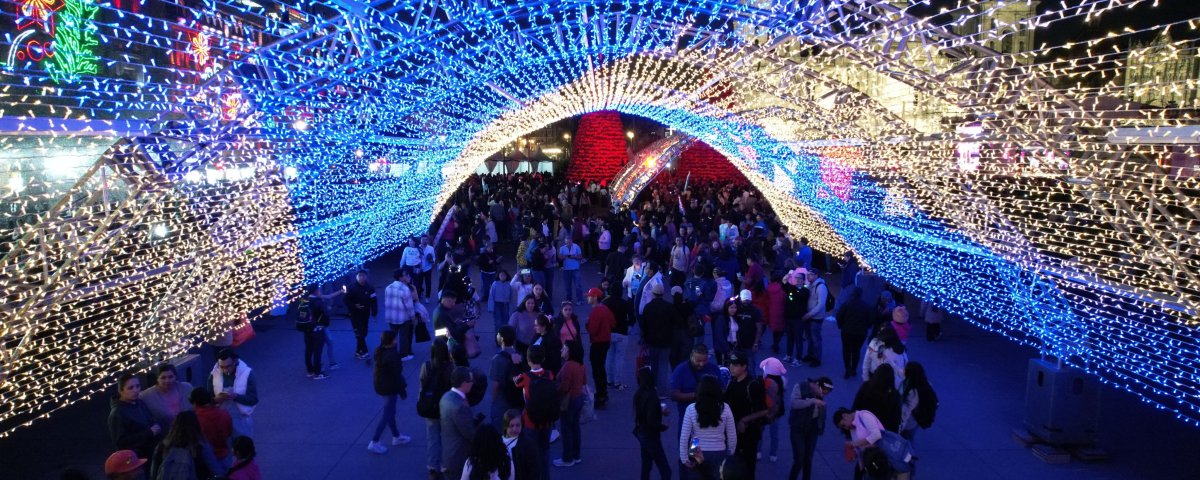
(774, 311)
(217, 427)
(600, 323)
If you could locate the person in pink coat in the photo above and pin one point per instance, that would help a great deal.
(774, 311)
(900, 323)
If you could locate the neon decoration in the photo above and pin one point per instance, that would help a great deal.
(74, 42)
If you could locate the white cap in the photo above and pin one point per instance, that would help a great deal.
(746, 296)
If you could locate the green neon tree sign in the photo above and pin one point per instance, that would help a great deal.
(75, 39)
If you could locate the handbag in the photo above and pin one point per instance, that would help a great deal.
(421, 332)
(643, 358)
(243, 333)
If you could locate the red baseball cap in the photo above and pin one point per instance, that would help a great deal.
(122, 461)
(595, 292)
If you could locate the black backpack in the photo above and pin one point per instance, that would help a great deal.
(927, 404)
(305, 320)
(512, 395)
(829, 300)
(875, 463)
(544, 401)
(430, 394)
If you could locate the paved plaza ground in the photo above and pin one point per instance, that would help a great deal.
(308, 429)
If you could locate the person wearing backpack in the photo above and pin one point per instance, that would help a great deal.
(185, 454)
(435, 382)
(774, 384)
(818, 309)
(506, 364)
(542, 403)
(920, 402)
(312, 319)
(807, 422)
(747, 400)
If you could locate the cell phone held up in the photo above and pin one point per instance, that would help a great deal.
(693, 448)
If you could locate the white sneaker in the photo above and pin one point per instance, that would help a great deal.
(558, 462)
(376, 447)
(401, 440)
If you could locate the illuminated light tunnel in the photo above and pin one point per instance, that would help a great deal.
(364, 119)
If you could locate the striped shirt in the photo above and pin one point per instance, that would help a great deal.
(722, 437)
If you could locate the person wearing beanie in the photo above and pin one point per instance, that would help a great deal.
(600, 324)
(658, 319)
(750, 324)
(900, 323)
(772, 373)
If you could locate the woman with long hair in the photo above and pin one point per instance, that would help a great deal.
(545, 336)
(885, 348)
(185, 435)
(648, 425)
(524, 321)
(489, 458)
(541, 299)
(722, 329)
(566, 323)
(435, 381)
(571, 379)
(915, 391)
(709, 423)
(879, 395)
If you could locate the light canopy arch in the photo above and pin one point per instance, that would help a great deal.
(349, 124)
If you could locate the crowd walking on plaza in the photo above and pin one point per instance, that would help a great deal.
(699, 281)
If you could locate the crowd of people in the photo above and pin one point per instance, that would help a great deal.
(174, 430)
(703, 285)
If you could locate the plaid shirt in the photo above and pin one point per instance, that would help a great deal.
(397, 303)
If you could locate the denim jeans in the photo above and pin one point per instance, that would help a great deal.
(359, 323)
(653, 454)
(569, 426)
(616, 358)
(499, 314)
(598, 356)
(795, 340)
(571, 285)
(658, 362)
(549, 285)
(389, 417)
(813, 336)
(773, 436)
(485, 284)
(711, 468)
(329, 347)
(433, 448)
(404, 337)
(313, 341)
(543, 446)
(539, 278)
